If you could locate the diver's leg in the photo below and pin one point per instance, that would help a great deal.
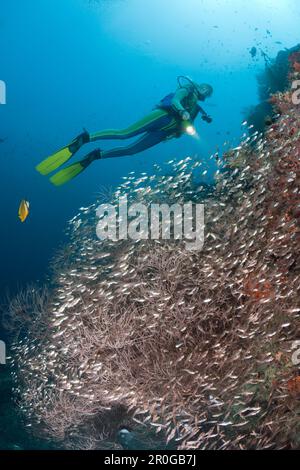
(147, 141)
(156, 120)
(71, 171)
(153, 121)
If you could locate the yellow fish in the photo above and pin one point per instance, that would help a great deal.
(23, 210)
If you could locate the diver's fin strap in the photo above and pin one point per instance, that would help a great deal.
(79, 141)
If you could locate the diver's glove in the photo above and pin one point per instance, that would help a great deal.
(185, 115)
(207, 118)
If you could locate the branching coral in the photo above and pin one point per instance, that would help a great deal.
(23, 310)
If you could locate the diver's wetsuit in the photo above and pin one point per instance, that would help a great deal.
(161, 124)
(156, 127)
(170, 119)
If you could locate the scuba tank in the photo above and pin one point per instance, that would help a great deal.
(166, 102)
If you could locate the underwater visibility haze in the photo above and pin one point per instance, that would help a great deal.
(146, 344)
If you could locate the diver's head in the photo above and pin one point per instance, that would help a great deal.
(203, 91)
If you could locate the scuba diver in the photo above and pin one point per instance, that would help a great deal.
(171, 118)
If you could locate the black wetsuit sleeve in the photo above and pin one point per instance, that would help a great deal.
(201, 110)
(194, 113)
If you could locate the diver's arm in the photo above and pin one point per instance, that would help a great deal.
(205, 116)
(201, 110)
(180, 94)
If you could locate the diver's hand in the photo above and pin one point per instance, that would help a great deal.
(207, 118)
(185, 115)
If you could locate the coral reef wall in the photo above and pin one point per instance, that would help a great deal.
(273, 79)
(194, 345)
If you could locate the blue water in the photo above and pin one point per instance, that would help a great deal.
(69, 64)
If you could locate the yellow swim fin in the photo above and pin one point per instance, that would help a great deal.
(71, 171)
(54, 161)
(63, 155)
